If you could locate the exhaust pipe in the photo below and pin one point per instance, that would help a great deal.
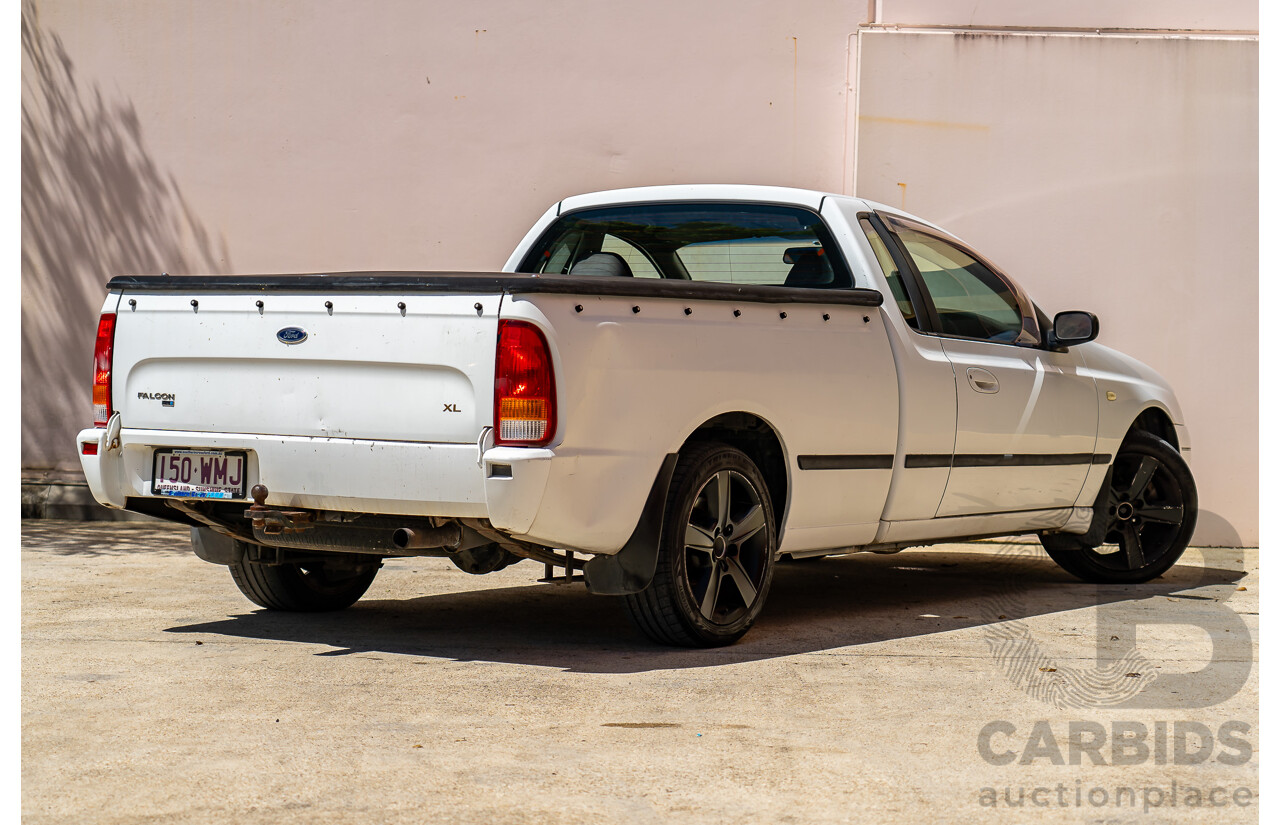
(416, 538)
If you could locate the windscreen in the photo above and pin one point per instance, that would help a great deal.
(734, 243)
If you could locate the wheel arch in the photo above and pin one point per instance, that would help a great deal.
(1157, 421)
(759, 439)
(632, 568)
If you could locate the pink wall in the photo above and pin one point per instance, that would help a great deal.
(1117, 174)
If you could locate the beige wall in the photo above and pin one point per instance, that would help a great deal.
(341, 134)
(1216, 15)
(1117, 174)
(311, 135)
(346, 135)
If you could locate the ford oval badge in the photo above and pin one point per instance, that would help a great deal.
(292, 335)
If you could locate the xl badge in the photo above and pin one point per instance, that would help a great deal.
(291, 335)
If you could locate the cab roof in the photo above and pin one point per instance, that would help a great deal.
(749, 193)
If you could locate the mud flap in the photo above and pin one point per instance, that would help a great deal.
(631, 569)
(1097, 532)
(216, 548)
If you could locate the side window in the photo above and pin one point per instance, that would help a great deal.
(891, 273)
(640, 265)
(971, 300)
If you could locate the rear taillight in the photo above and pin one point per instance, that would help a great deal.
(524, 390)
(102, 369)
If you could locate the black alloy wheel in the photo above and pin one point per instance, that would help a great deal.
(716, 554)
(1150, 512)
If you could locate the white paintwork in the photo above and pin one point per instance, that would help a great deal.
(633, 387)
(1041, 404)
(364, 356)
(357, 475)
(1136, 387)
(351, 419)
(926, 386)
(695, 191)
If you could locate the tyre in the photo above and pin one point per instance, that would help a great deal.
(308, 588)
(1149, 510)
(716, 553)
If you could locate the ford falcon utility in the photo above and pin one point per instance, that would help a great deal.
(664, 392)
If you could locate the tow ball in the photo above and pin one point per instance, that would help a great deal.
(276, 522)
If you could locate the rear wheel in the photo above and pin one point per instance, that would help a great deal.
(310, 587)
(716, 556)
(1150, 513)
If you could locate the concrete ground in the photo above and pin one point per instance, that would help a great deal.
(153, 691)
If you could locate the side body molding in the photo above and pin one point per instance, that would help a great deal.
(631, 569)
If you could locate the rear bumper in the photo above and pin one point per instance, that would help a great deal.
(584, 502)
(353, 475)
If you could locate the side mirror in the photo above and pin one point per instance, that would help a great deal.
(1072, 328)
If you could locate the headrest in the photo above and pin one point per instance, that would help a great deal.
(602, 263)
(809, 267)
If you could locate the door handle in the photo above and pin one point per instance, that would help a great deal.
(982, 381)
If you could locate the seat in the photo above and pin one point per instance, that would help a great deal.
(809, 269)
(602, 263)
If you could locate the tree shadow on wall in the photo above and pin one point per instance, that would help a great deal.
(94, 205)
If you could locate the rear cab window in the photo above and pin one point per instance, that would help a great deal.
(640, 266)
(733, 243)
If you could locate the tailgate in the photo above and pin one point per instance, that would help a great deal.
(382, 366)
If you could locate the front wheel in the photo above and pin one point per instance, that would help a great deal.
(716, 554)
(1149, 512)
(308, 587)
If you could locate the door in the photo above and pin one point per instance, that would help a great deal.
(1026, 417)
(1026, 422)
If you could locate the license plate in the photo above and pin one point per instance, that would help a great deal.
(199, 473)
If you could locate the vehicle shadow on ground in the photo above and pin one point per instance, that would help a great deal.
(813, 606)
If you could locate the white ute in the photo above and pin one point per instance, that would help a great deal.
(666, 388)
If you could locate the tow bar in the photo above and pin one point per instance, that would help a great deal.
(276, 522)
